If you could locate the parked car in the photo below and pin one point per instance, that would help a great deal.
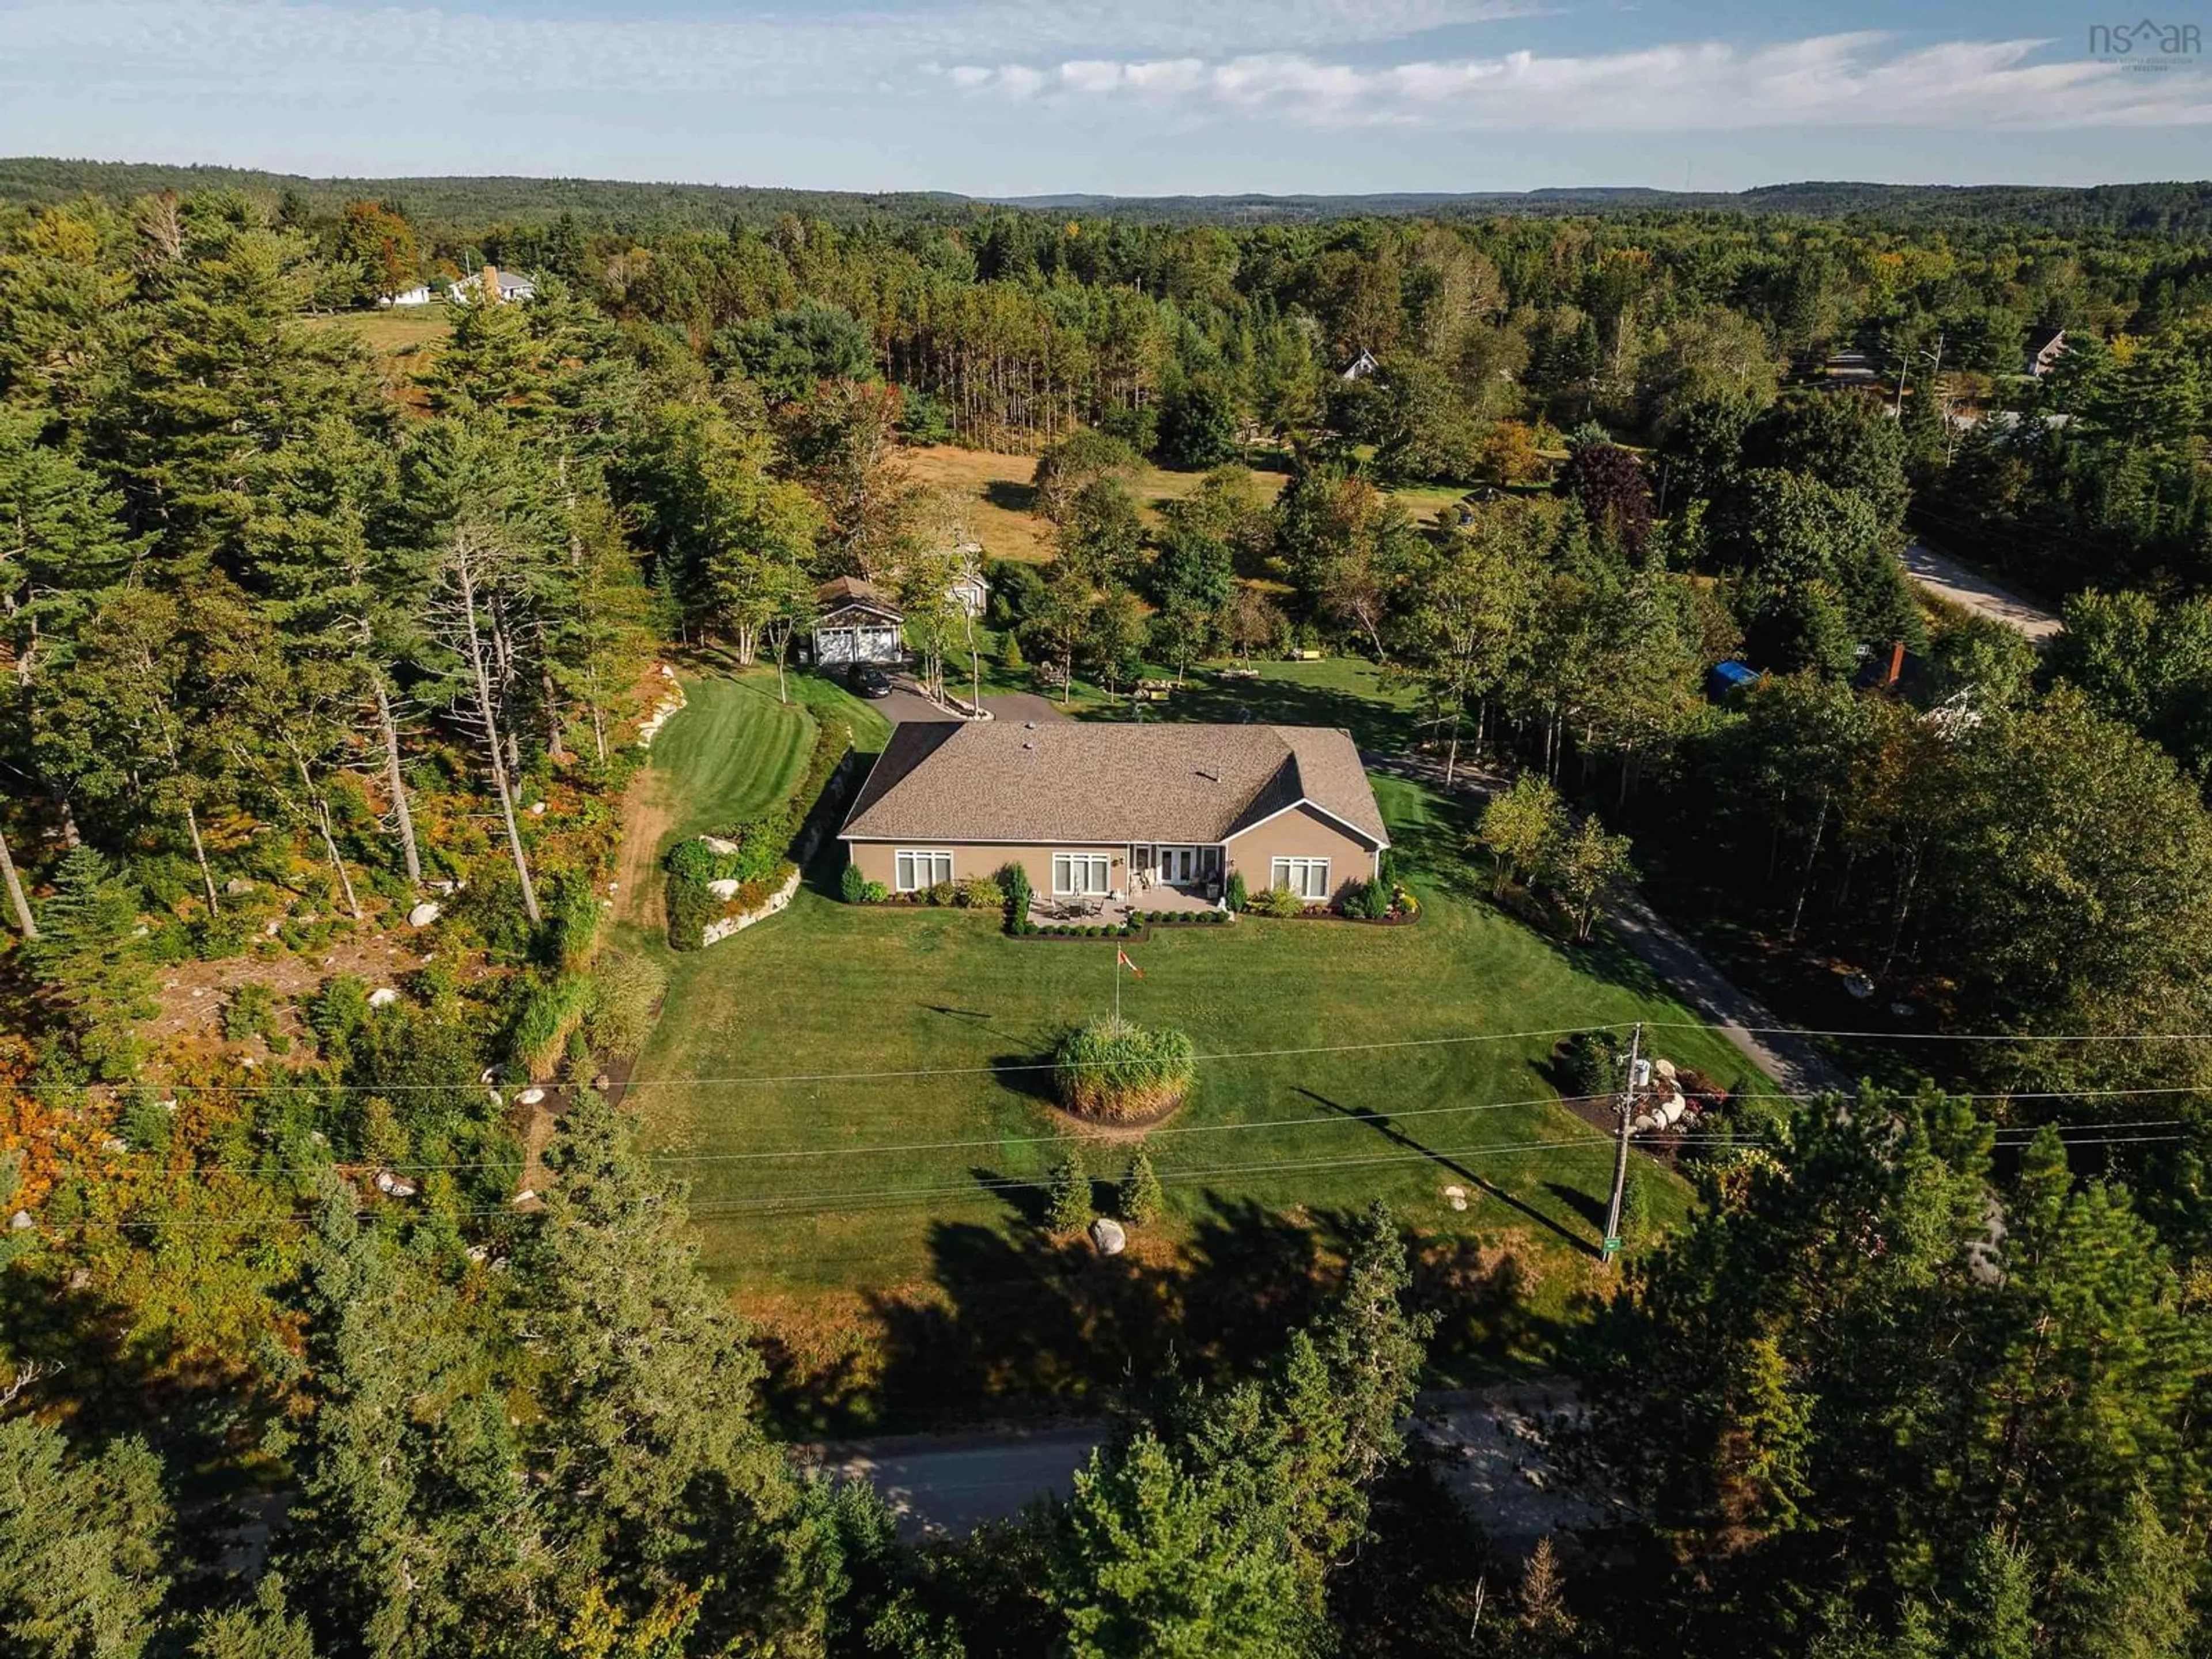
(870, 681)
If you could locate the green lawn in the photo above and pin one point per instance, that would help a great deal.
(841, 1087)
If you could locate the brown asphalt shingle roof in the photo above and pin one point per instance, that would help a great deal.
(1077, 782)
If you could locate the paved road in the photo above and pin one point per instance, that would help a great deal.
(949, 1485)
(1790, 1059)
(1491, 1446)
(1961, 584)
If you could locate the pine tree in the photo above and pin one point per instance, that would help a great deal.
(1068, 1197)
(1156, 1563)
(1139, 1199)
(82, 1546)
(651, 1447)
(411, 1525)
(87, 961)
(265, 1628)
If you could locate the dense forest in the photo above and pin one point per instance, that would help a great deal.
(302, 639)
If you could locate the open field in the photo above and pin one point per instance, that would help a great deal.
(391, 332)
(995, 492)
(845, 1091)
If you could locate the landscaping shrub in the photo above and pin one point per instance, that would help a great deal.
(853, 886)
(1014, 881)
(875, 892)
(1139, 1198)
(1237, 894)
(1275, 902)
(978, 893)
(1121, 1073)
(624, 994)
(691, 907)
(1585, 1066)
(941, 893)
(1068, 1200)
(694, 861)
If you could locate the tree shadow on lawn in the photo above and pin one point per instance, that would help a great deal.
(1011, 495)
(1021, 1324)
(1373, 724)
(1382, 1125)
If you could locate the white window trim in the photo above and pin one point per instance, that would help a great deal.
(1296, 874)
(1091, 862)
(907, 854)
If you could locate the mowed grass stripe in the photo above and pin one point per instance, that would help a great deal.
(734, 751)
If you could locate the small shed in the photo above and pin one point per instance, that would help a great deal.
(1360, 366)
(1726, 679)
(2046, 346)
(858, 622)
(968, 587)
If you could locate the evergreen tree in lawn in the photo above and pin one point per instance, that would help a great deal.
(1158, 1562)
(1140, 1200)
(658, 1478)
(82, 1545)
(1068, 1197)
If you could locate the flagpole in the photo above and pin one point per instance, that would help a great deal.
(1117, 985)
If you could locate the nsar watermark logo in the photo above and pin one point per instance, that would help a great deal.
(2147, 44)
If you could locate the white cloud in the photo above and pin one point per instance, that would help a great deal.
(288, 45)
(1840, 80)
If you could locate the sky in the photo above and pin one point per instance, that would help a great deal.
(1130, 97)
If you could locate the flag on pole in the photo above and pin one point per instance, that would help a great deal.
(1122, 958)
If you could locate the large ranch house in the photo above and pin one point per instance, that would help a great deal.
(1119, 814)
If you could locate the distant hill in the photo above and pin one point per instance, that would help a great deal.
(461, 203)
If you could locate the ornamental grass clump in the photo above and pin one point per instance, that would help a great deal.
(1120, 1073)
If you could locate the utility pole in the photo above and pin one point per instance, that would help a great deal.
(1627, 1110)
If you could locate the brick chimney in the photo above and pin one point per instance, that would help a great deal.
(1896, 665)
(490, 280)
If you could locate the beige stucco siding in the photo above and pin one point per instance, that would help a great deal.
(877, 859)
(1300, 833)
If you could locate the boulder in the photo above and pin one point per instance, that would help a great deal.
(20, 1221)
(383, 997)
(422, 914)
(537, 809)
(1107, 1236)
(236, 886)
(530, 1097)
(725, 890)
(719, 847)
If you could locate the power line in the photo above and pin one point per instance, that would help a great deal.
(789, 1078)
(816, 1200)
(767, 1080)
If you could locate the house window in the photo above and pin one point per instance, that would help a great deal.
(916, 870)
(1307, 877)
(1074, 873)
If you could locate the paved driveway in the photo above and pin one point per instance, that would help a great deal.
(1961, 584)
(906, 703)
(1791, 1059)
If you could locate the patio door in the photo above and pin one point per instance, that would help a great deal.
(1178, 866)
